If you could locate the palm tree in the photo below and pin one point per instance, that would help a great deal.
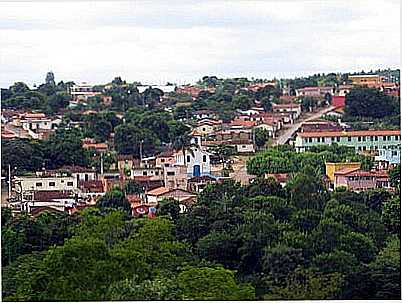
(183, 142)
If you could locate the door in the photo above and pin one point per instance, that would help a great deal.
(196, 171)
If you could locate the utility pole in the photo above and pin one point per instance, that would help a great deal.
(101, 169)
(9, 182)
(142, 141)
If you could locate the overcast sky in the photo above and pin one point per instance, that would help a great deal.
(181, 41)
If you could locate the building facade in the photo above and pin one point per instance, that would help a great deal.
(369, 140)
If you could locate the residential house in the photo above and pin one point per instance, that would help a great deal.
(248, 112)
(89, 144)
(207, 126)
(390, 88)
(293, 108)
(320, 126)
(82, 92)
(331, 168)
(365, 140)
(256, 86)
(175, 176)
(204, 114)
(242, 146)
(342, 90)
(359, 180)
(46, 181)
(166, 157)
(314, 91)
(6, 134)
(197, 184)
(153, 197)
(126, 162)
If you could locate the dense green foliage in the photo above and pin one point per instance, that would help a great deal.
(48, 97)
(63, 147)
(260, 241)
(283, 159)
(369, 103)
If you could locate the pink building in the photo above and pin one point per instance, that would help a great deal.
(359, 180)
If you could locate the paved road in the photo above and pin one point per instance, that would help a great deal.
(287, 133)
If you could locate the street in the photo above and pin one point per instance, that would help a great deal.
(287, 133)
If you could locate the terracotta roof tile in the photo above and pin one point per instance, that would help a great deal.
(355, 133)
(158, 191)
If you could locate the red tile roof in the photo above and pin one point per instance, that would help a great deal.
(238, 122)
(355, 133)
(97, 146)
(346, 170)
(290, 105)
(133, 199)
(282, 177)
(158, 191)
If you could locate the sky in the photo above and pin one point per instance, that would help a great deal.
(181, 41)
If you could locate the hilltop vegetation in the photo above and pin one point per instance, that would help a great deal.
(260, 241)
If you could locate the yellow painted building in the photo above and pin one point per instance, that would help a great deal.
(331, 168)
(369, 80)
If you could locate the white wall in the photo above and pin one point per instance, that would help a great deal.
(195, 158)
(245, 148)
(60, 183)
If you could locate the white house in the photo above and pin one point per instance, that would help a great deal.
(83, 91)
(164, 88)
(270, 128)
(58, 182)
(245, 147)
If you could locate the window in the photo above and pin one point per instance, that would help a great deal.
(384, 138)
(371, 138)
(310, 140)
(376, 138)
(338, 139)
(364, 138)
(188, 158)
(52, 183)
(162, 160)
(359, 139)
(349, 139)
(156, 173)
(170, 173)
(364, 148)
(389, 138)
(243, 146)
(332, 139)
(38, 184)
(70, 183)
(144, 173)
(203, 129)
(204, 158)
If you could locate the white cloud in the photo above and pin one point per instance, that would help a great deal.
(182, 41)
